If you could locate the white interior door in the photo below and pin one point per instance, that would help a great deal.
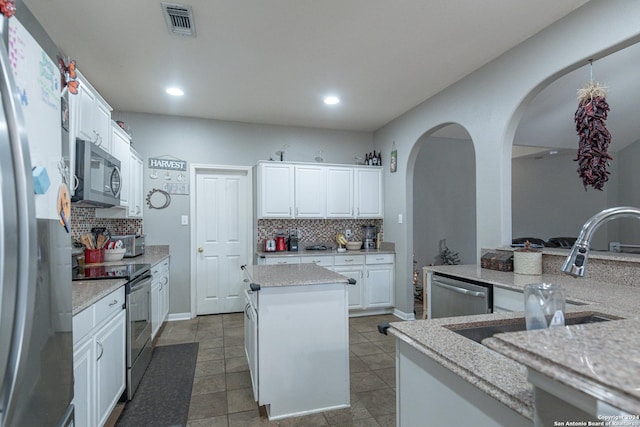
(221, 238)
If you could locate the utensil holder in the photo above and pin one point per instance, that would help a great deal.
(93, 256)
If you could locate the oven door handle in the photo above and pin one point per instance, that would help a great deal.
(458, 290)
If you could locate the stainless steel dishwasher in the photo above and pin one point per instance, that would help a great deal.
(459, 297)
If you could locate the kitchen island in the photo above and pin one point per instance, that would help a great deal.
(297, 338)
(472, 380)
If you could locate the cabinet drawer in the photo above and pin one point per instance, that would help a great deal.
(109, 305)
(283, 260)
(348, 260)
(165, 266)
(156, 270)
(322, 261)
(380, 259)
(83, 323)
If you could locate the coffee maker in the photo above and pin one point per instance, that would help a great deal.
(369, 236)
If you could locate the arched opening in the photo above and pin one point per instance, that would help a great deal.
(444, 199)
(548, 198)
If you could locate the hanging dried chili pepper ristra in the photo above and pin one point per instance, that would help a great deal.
(593, 136)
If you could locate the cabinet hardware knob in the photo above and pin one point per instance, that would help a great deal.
(201, 249)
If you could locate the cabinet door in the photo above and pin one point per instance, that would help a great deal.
(339, 192)
(356, 299)
(121, 151)
(135, 185)
(251, 342)
(368, 193)
(84, 384)
(110, 366)
(164, 298)
(86, 110)
(275, 191)
(155, 308)
(102, 125)
(310, 192)
(379, 286)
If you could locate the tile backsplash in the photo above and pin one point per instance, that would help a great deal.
(314, 230)
(84, 219)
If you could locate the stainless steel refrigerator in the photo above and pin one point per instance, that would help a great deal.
(36, 346)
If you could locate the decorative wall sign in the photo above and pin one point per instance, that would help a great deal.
(167, 164)
(394, 158)
(176, 188)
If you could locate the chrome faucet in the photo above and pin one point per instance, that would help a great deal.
(576, 262)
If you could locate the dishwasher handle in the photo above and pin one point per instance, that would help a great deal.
(458, 289)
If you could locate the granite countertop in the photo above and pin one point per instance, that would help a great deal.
(500, 376)
(86, 292)
(385, 248)
(602, 359)
(268, 276)
(593, 254)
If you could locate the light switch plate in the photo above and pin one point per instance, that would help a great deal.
(185, 220)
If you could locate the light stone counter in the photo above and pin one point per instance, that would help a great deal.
(385, 248)
(292, 275)
(86, 292)
(499, 376)
(601, 360)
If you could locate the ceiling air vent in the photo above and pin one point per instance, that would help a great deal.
(179, 19)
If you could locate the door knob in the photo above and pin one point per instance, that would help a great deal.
(200, 250)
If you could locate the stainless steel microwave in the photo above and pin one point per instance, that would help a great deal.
(97, 175)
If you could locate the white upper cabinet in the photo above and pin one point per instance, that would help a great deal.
(299, 190)
(136, 196)
(339, 192)
(121, 148)
(368, 194)
(275, 190)
(93, 116)
(310, 191)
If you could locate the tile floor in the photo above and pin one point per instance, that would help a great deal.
(222, 394)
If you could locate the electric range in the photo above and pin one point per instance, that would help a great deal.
(118, 271)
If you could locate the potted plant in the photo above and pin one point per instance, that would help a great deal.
(527, 260)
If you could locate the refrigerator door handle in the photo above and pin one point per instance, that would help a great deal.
(24, 245)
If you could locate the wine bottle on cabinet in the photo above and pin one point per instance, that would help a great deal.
(366, 159)
(374, 161)
(379, 158)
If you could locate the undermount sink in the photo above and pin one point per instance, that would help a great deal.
(478, 333)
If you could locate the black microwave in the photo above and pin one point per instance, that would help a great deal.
(97, 175)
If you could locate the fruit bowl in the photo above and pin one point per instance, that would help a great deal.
(114, 254)
(352, 246)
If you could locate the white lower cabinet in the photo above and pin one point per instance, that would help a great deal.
(355, 272)
(159, 295)
(379, 280)
(281, 260)
(99, 364)
(298, 335)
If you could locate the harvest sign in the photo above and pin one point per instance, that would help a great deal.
(174, 165)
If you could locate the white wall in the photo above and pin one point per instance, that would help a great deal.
(549, 200)
(629, 191)
(444, 200)
(488, 103)
(220, 143)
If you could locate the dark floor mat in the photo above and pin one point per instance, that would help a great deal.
(164, 394)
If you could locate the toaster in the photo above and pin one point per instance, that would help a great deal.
(133, 244)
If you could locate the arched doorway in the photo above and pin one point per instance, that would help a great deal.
(444, 199)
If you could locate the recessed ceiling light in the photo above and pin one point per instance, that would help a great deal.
(174, 91)
(553, 152)
(331, 100)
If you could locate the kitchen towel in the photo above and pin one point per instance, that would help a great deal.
(164, 394)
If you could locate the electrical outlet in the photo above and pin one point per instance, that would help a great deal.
(348, 234)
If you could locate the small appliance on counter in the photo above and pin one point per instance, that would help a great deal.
(294, 237)
(270, 245)
(133, 244)
(281, 245)
(369, 236)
